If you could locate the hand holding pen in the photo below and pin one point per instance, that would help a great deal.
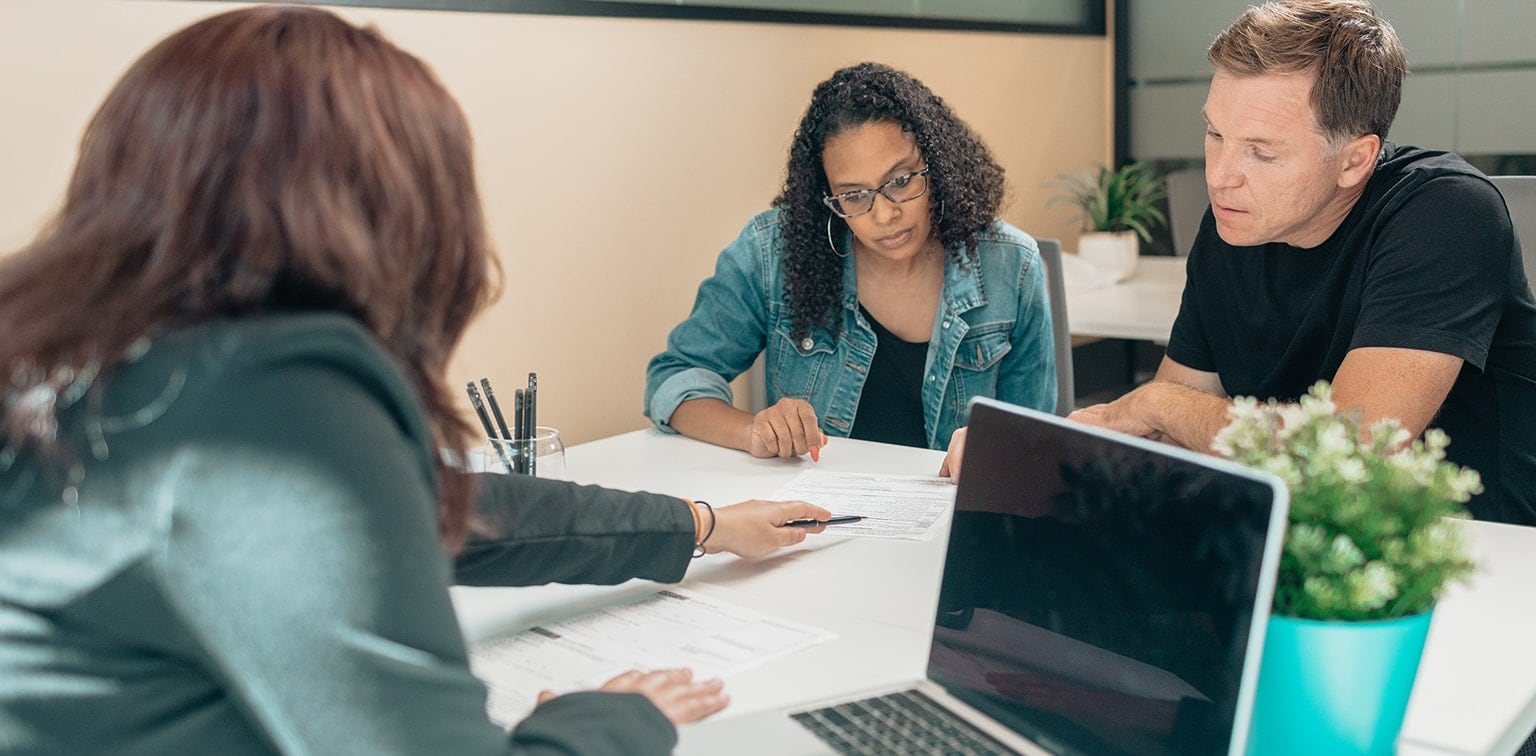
(754, 528)
(786, 430)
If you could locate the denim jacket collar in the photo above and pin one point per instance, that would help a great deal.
(963, 288)
(990, 337)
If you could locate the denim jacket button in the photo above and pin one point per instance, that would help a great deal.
(806, 343)
(946, 323)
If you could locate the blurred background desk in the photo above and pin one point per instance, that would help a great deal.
(1119, 329)
(1142, 307)
(1476, 690)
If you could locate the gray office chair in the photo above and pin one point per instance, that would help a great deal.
(1187, 201)
(1520, 195)
(1056, 291)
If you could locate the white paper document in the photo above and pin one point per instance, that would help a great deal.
(893, 506)
(666, 629)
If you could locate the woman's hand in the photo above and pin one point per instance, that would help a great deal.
(951, 467)
(787, 429)
(754, 528)
(672, 691)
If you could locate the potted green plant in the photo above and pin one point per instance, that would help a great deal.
(1368, 550)
(1115, 206)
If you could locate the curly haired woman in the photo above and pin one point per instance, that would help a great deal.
(881, 288)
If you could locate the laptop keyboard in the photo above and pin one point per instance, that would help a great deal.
(897, 723)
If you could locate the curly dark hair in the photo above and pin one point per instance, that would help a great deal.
(965, 182)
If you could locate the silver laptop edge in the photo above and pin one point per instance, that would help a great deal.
(774, 732)
(1273, 541)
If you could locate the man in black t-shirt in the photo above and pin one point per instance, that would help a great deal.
(1330, 253)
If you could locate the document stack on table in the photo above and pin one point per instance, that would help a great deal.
(670, 628)
(888, 506)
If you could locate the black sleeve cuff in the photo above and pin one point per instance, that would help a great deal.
(531, 531)
(593, 722)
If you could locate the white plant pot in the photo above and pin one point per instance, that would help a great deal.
(1114, 253)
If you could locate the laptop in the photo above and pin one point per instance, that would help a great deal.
(1102, 594)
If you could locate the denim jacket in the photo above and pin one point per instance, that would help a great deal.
(992, 337)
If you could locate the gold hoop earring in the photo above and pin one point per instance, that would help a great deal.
(830, 243)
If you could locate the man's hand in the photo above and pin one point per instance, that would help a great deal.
(1122, 415)
(1166, 409)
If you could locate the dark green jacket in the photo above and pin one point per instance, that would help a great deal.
(236, 552)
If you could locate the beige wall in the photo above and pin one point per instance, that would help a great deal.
(616, 156)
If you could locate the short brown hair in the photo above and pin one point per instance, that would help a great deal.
(264, 159)
(1355, 54)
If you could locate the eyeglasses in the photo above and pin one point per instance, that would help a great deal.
(903, 188)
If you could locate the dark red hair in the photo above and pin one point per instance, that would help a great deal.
(270, 158)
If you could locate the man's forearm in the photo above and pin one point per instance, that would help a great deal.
(1181, 414)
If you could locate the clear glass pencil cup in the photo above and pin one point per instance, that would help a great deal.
(542, 455)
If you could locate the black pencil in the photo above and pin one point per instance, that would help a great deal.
(485, 420)
(490, 398)
(519, 432)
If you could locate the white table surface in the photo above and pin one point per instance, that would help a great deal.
(1476, 690)
(1141, 307)
(1475, 694)
(877, 596)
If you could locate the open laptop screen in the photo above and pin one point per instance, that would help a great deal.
(1099, 592)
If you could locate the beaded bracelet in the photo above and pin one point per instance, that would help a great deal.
(698, 548)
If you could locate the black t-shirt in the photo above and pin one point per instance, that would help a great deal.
(891, 405)
(1426, 260)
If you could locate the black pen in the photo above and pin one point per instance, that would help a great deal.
(833, 520)
(533, 423)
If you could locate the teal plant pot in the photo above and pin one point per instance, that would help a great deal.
(1335, 687)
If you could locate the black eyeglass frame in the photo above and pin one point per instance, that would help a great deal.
(832, 201)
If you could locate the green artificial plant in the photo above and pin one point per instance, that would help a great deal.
(1116, 200)
(1368, 537)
